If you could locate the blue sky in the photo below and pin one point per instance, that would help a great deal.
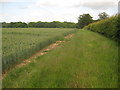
(53, 10)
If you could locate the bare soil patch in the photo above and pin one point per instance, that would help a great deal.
(41, 52)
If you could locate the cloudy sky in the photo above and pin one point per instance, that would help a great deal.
(53, 10)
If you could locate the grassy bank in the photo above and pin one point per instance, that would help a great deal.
(88, 60)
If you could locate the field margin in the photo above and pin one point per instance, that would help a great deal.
(41, 46)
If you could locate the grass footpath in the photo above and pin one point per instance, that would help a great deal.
(88, 60)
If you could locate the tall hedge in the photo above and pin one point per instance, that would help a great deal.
(109, 27)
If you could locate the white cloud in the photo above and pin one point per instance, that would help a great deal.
(6, 1)
(61, 10)
(54, 3)
(94, 4)
(11, 1)
(68, 3)
(100, 4)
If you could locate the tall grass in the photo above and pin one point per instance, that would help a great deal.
(88, 60)
(19, 44)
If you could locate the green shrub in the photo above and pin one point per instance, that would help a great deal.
(108, 27)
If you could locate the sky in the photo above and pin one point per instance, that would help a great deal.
(54, 10)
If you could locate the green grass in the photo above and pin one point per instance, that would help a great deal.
(21, 43)
(88, 60)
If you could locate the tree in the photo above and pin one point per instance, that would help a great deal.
(5, 25)
(103, 15)
(31, 25)
(20, 25)
(39, 24)
(84, 20)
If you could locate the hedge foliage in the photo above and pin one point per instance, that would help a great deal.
(109, 27)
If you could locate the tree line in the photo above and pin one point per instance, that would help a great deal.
(86, 19)
(83, 20)
(39, 24)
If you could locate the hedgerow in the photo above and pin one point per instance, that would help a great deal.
(108, 27)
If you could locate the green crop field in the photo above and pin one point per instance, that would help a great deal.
(21, 43)
(88, 60)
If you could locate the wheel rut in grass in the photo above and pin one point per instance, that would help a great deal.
(41, 52)
(45, 50)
